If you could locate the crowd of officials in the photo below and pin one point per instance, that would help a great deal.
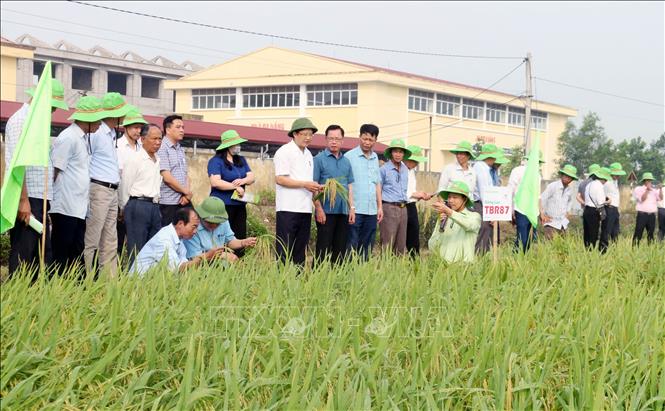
(120, 187)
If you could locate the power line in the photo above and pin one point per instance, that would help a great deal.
(600, 92)
(500, 79)
(311, 41)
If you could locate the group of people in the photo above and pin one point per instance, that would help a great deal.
(128, 194)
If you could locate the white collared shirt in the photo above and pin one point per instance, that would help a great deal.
(515, 179)
(124, 150)
(141, 178)
(165, 243)
(297, 164)
(455, 172)
(594, 195)
(70, 190)
(556, 202)
(103, 155)
(611, 188)
(661, 203)
(411, 186)
(483, 179)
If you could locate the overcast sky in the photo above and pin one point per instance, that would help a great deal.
(618, 48)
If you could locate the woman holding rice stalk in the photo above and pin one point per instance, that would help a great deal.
(457, 239)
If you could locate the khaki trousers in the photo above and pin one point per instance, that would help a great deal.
(393, 228)
(550, 232)
(101, 236)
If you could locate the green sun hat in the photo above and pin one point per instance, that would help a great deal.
(133, 117)
(647, 176)
(88, 109)
(501, 159)
(457, 187)
(569, 170)
(115, 106)
(616, 169)
(463, 147)
(57, 94)
(593, 168)
(488, 151)
(541, 159)
(230, 138)
(302, 124)
(416, 154)
(603, 173)
(212, 210)
(397, 143)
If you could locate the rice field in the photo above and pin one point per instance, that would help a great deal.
(559, 328)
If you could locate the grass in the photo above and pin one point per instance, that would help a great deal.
(559, 328)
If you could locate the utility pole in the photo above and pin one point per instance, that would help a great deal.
(429, 152)
(527, 102)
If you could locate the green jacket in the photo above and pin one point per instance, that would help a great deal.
(457, 242)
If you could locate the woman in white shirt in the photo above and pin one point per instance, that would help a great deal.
(594, 205)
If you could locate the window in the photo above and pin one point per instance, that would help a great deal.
(82, 78)
(332, 94)
(38, 69)
(421, 100)
(516, 116)
(117, 82)
(150, 87)
(279, 96)
(496, 113)
(472, 109)
(538, 120)
(211, 98)
(447, 105)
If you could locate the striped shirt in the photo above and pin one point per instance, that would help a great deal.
(172, 158)
(34, 176)
(556, 200)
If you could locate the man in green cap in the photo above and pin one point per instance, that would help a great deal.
(70, 155)
(413, 195)
(394, 185)
(461, 169)
(526, 234)
(556, 201)
(295, 185)
(482, 166)
(581, 188)
(23, 240)
(611, 188)
(101, 235)
(647, 197)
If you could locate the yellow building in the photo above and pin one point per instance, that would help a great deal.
(10, 52)
(273, 86)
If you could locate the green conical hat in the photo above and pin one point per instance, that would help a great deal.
(57, 94)
(463, 147)
(616, 169)
(88, 109)
(302, 124)
(230, 138)
(133, 117)
(397, 143)
(488, 151)
(647, 176)
(212, 210)
(457, 187)
(416, 154)
(115, 106)
(569, 170)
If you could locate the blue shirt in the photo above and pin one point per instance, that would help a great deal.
(483, 179)
(366, 177)
(394, 182)
(327, 166)
(165, 243)
(104, 156)
(217, 166)
(72, 186)
(205, 240)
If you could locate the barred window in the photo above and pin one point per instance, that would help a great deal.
(211, 98)
(538, 120)
(472, 109)
(516, 116)
(447, 105)
(278, 96)
(421, 100)
(332, 94)
(496, 113)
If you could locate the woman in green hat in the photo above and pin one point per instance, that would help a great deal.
(594, 209)
(413, 195)
(647, 197)
(456, 240)
(229, 173)
(461, 168)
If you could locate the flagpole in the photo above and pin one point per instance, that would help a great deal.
(42, 254)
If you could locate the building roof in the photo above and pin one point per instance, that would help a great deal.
(203, 129)
(7, 42)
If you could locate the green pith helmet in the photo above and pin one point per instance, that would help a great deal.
(569, 170)
(616, 169)
(593, 168)
(57, 94)
(397, 143)
(457, 187)
(230, 138)
(133, 117)
(88, 109)
(416, 154)
(115, 106)
(488, 151)
(302, 124)
(212, 210)
(647, 176)
(463, 147)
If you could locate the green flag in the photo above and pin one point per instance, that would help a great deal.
(528, 192)
(32, 149)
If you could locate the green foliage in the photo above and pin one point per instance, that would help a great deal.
(4, 249)
(515, 158)
(255, 227)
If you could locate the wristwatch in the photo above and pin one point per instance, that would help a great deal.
(353, 207)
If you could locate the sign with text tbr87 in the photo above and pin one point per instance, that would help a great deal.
(497, 205)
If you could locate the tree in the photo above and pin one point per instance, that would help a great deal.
(636, 155)
(584, 146)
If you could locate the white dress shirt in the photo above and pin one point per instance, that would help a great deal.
(71, 189)
(103, 155)
(611, 188)
(411, 186)
(594, 195)
(141, 178)
(556, 202)
(515, 179)
(164, 244)
(124, 150)
(297, 164)
(455, 172)
(483, 179)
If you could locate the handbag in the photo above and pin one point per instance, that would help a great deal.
(602, 212)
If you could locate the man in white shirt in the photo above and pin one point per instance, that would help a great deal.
(661, 213)
(594, 204)
(555, 202)
(526, 234)
(139, 191)
(413, 195)
(294, 174)
(482, 169)
(611, 188)
(461, 170)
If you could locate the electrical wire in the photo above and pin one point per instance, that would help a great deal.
(600, 92)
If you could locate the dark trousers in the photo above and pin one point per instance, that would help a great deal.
(362, 234)
(67, 240)
(122, 233)
(331, 238)
(591, 224)
(609, 228)
(238, 222)
(661, 224)
(644, 221)
(486, 232)
(526, 235)
(25, 243)
(292, 231)
(412, 230)
(143, 221)
(168, 212)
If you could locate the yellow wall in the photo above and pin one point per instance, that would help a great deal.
(9, 56)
